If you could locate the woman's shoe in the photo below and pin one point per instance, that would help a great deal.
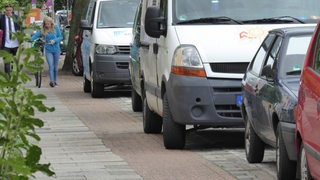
(52, 84)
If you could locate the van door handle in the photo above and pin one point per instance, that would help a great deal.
(155, 48)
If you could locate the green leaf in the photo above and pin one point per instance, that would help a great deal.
(45, 169)
(33, 156)
(35, 136)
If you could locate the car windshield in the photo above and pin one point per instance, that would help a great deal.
(116, 13)
(245, 11)
(293, 58)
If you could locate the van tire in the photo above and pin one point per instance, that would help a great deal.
(136, 101)
(152, 122)
(97, 89)
(174, 134)
(285, 166)
(254, 147)
(86, 84)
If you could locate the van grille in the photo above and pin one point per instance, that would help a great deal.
(228, 111)
(123, 49)
(122, 65)
(229, 67)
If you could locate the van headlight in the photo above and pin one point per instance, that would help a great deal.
(105, 49)
(186, 61)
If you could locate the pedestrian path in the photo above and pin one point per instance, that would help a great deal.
(73, 150)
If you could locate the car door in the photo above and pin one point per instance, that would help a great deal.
(268, 94)
(148, 60)
(251, 85)
(134, 52)
(310, 92)
(87, 43)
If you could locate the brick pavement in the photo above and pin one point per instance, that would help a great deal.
(73, 150)
(121, 131)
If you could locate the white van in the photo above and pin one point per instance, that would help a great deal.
(193, 55)
(106, 44)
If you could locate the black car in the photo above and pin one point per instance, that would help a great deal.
(270, 88)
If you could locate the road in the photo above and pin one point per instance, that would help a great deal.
(209, 154)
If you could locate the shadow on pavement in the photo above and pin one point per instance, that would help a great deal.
(215, 138)
(117, 91)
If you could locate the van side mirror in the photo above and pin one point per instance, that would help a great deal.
(85, 25)
(154, 23)
(268, 72)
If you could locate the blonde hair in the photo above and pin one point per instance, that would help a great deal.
(44, 30)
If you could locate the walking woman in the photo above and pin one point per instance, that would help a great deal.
(51, 34)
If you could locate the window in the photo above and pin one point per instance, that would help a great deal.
(243, 10)
(274, 52)
(260, 56)
(315, 64)
(117, 13)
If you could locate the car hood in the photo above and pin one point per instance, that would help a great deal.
(225, 43)
(113, 36)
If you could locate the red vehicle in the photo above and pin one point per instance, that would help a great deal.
(308, 112)
(77, 66)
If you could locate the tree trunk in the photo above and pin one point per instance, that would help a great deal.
(79, 9)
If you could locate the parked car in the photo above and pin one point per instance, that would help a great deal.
(270, 89)
(308, 113)
(77, 66)
(134, 63)
(107, 34)
(193, 56)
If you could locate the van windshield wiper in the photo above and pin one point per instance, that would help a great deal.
(275, 20)
(218, 20)
(110, 27)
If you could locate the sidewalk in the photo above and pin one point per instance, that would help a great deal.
(73, 150)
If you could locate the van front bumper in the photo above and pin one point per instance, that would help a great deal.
(111, 69)
(202, 101)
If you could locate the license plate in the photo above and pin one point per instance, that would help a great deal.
(239, 100)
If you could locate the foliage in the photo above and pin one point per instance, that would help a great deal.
(19, 154)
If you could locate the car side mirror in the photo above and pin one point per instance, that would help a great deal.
(154, 23)
(268, 72)
(85, 25)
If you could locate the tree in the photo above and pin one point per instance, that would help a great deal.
(79, 9)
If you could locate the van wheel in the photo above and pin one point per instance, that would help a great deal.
(86, 84)
(136, 101)
(303, 164)
(174, 134)
(97, 89)
(254, 147)
(152, 122)
(285, 167)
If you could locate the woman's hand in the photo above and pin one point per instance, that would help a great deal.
(51, 42)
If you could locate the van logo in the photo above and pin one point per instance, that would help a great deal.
(256, 33)
(121, 33)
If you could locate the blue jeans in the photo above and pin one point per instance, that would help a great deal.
(53, 63)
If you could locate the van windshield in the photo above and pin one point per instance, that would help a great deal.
(116, 13)
(245, 11)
